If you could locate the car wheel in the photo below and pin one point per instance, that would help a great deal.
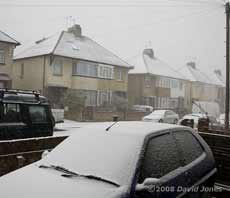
(175, 121)
(160, 121)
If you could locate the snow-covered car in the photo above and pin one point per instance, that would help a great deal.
(122, 159)
(142, 108)
(196, 116)
(163, 116)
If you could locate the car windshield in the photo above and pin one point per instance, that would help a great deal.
(158, 112)
(101, 153)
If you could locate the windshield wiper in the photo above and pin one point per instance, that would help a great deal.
(60, 168)
(70, 174)
(92, 177)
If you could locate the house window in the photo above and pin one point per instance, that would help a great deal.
(104, 97)
(85, 69)
(22, 71)
(2, 57)
(57, 67)
(181, 85)
(90, 97)
(147, 81)
(106, 71)
(120, 75)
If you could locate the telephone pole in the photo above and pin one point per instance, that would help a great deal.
(227, 9)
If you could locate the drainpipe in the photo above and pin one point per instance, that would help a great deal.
(44, 75)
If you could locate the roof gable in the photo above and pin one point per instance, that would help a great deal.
(6, 38)
(77, 47)
(42, 47)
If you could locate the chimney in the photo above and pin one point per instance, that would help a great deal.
(192, 64)
(217, 71)
(149, 52)
(76, 30)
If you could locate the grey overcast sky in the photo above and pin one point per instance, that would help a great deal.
(177, 30)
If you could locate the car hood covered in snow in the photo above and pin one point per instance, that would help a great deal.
(36, 182)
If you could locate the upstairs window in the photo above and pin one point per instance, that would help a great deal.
(85, 69)
(2, 56)
(22, 71)
(120, 75)
(106, 71)
(147, 81)
(57, 67)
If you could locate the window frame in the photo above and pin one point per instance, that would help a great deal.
(56, 63)
(3, 112)
(144, 149)
(181, 149)
(3, 55)
(147, 80)
(105, 71)
(22, 70)
(87, 66)
(120, 76)
(46, 112)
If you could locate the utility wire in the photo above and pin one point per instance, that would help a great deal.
(162, 3)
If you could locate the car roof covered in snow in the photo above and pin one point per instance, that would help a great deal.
(6, 38)
(147, 63)
(67, 44)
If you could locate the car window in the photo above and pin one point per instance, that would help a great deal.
(38, 114)
(159, 152)
(167, 113)
(10, 113)
(189, 146)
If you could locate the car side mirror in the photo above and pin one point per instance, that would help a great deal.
(147, 185)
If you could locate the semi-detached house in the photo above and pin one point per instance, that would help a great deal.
(153, 82)
(70, 61)
(7, 46)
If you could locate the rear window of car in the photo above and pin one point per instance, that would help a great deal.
(38, 114)
(189, 146)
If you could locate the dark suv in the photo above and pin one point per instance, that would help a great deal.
(24, 114)
(119, 160)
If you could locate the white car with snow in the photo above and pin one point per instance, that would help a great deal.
(117, 160)
(162, 116)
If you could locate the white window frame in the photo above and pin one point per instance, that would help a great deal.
(105, 71)
(57, 67)
(147, 81)
(107, 94)
(87, 66)
(120, 76)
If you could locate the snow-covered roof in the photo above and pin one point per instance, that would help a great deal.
(6, 38)
(67, 44)
(192, 73)
(42, 47)
(148, 63)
